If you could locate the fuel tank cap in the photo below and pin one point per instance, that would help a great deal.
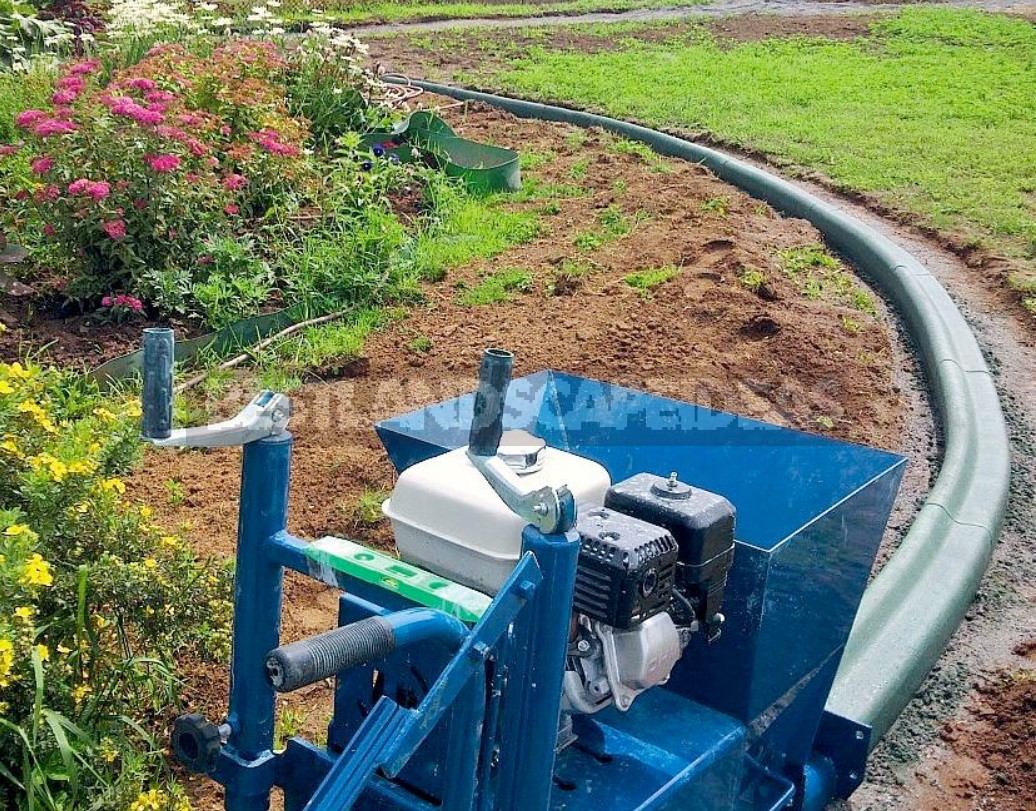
(521, 451)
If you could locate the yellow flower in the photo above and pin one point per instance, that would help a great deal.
(82, 466)
(79, 693)
(153, 800)
(133, 410)
(82, 507)
(24, 613)
(105, 414)
(36, 572)
(6, 388)
(114, 484)
(150, 563)
(15, 530)
(43, 652)
(100, 621)
(6, 661)
(108, 751)
(11, 447)
(170, 541)
(16, 371)
(146, 512)
(93, 447)
(64, 649)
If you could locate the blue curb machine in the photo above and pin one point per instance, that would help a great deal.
(660, 630)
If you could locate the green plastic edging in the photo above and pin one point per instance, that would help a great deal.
(482, 167)
(919, 598)
(235, 336)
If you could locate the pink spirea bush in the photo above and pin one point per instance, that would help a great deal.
(135, 174)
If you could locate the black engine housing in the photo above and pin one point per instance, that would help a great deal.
(627, 568)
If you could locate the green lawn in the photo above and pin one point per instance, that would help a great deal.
(934, 111)
(374, 11)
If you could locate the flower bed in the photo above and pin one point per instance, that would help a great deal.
(95, 600)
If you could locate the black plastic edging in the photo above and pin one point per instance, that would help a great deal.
(918, 600)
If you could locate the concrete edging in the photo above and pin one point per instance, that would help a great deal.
(915, 604)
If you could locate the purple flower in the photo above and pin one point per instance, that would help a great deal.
(29, 117)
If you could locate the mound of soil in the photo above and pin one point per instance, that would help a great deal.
(704, 335)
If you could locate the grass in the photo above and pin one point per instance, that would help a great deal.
(752, 278)
(472, 228)
(496, 288)
(820, 275)
(934, 110)
(645, 281)
(412, 10)
(569, 276)
(612, 224)
(367, 508)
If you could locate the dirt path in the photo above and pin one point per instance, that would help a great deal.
(715, 9)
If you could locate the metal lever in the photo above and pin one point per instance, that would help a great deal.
(267, 414)
(549, 509)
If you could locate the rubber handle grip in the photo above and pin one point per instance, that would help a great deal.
(157, 392)
(308, 661)
(487, 421)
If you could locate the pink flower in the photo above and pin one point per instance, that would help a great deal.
(73, 83)
(163, 164)
(189, 119)
(192, 177)
(42, 165)
(83, 68)
(231, 210)
(99, 190)
(140, 204)
(49, 230)
(29, 117)
(107, 301)
(63, 97)
(159, 97)
(7, 149)
(116, 229)
(234, 182)
(197, 148)
(224, 131)
(51, 126)
(147, 116)
(172, 133)
(142, 84)
(79, 186)
(46, 194)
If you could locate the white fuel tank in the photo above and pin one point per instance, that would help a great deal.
(448, 519)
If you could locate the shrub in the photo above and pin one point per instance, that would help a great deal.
(95, 601)
(135, 174)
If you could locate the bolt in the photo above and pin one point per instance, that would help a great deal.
(859, 735)
(854, 776)
(478, 652)
(583, 646)
(526, 589)
(541, 508)
(673, 481)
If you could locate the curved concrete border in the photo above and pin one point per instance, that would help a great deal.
(917, 601)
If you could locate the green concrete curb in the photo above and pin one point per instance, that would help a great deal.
(917, 601)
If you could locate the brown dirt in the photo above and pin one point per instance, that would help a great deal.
(37, 325)
(702, 336)
(990, 758)
(484, 50)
